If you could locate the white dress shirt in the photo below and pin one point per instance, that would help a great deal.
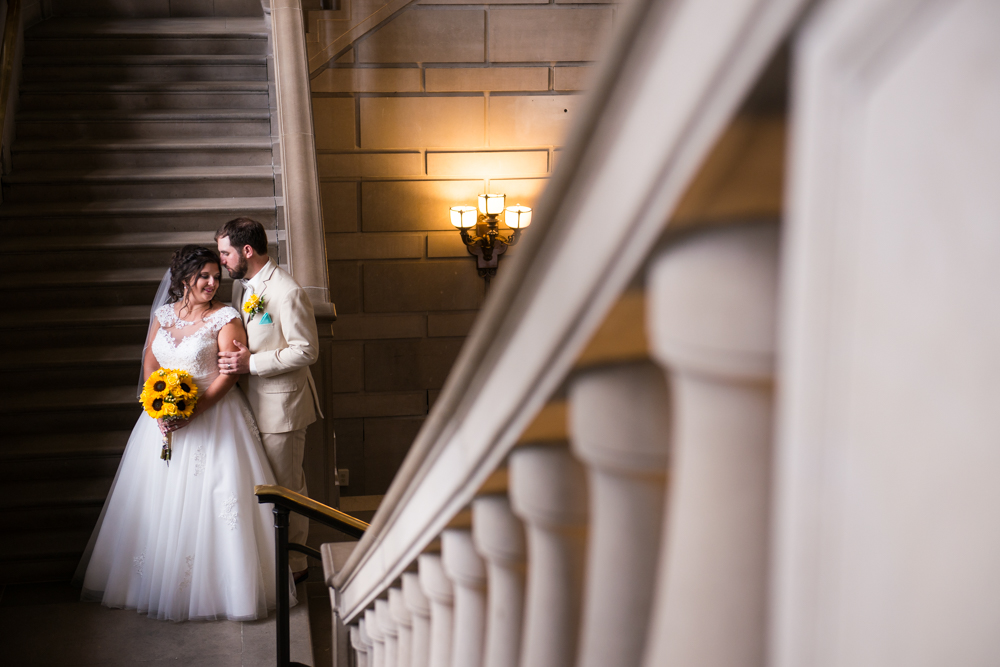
(253, 286)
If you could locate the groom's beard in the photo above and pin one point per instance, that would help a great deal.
(240, 270)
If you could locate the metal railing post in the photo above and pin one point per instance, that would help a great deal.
(281, 578)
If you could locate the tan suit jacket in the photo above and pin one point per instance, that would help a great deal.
(282, 394)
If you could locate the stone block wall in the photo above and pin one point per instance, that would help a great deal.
(443, 102)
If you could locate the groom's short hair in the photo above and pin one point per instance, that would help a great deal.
(244, 232)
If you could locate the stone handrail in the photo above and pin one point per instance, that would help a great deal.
(364, 26)
(303, 214)
(675, 76)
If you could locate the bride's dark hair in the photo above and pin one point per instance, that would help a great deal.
(187, 262)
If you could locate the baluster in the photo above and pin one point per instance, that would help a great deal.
(420, 613)
(389, 632)
(360, 647)
(713, 320)
(499, 538)
(404, 626)
(467, 572)
(438, 588)
(367, 641)
(378, 639)
(620, 427)
(548, 491)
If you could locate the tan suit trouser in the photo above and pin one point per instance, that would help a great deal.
(284, 452)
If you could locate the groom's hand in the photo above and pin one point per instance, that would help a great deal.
(235, 363)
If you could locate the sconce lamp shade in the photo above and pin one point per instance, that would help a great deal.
(491, 204)
(518, 217)
(463, 217)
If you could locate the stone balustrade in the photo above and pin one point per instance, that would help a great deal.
(722, 445)
(579, 553)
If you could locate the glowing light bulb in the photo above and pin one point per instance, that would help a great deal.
(463, 217)
(491, 204)
(518, 217)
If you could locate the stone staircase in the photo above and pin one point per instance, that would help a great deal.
(134, 137)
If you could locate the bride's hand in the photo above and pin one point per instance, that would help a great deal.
(171, 425)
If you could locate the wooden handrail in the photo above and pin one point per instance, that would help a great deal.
(334, 518)
(7, 50)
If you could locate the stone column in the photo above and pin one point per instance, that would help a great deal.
(438, 588)
(389, 632)
(404, 626)
(306, 239)
(712, 304)
(548, 490)
(499, 538)
(377, 654)
(419, 607)
(467, 572)
(360, 647)
(620, 427)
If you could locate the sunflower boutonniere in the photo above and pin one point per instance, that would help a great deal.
(253, 305)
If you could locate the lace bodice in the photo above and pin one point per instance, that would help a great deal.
(191, 346)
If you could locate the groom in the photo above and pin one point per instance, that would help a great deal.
(281, 345)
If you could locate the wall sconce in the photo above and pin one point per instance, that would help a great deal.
(485, 241)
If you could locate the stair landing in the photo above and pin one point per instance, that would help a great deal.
(46, 624)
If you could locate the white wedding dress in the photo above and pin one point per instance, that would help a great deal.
(189, 540)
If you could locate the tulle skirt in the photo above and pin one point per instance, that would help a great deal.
(187, 541)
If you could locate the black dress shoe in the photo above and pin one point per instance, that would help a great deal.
(300, 576)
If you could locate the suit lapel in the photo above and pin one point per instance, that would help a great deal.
(266, 279)
(238, 293)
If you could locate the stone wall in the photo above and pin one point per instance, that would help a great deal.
(437, 105)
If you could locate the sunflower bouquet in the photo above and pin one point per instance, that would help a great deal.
(169, 394)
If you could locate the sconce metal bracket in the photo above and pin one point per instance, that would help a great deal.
(486, 244)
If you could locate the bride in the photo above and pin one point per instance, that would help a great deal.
(188, 540)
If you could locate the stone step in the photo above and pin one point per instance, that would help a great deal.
(149, 44)
(79, 409)
(107, 366)
(138, 183)
(97, 154)
(144, 95)
(44, 546)
(25, 521)
(100, 287)
(98, 252)
(84, 67)
(83, 492)
(203, 35)
(137, 124)
(74, 327)
(64, 468)
(35, 570)
(65, 456)
(129, 216)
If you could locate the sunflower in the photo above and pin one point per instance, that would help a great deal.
(153, 404)
(253, 304)
(169, 393)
